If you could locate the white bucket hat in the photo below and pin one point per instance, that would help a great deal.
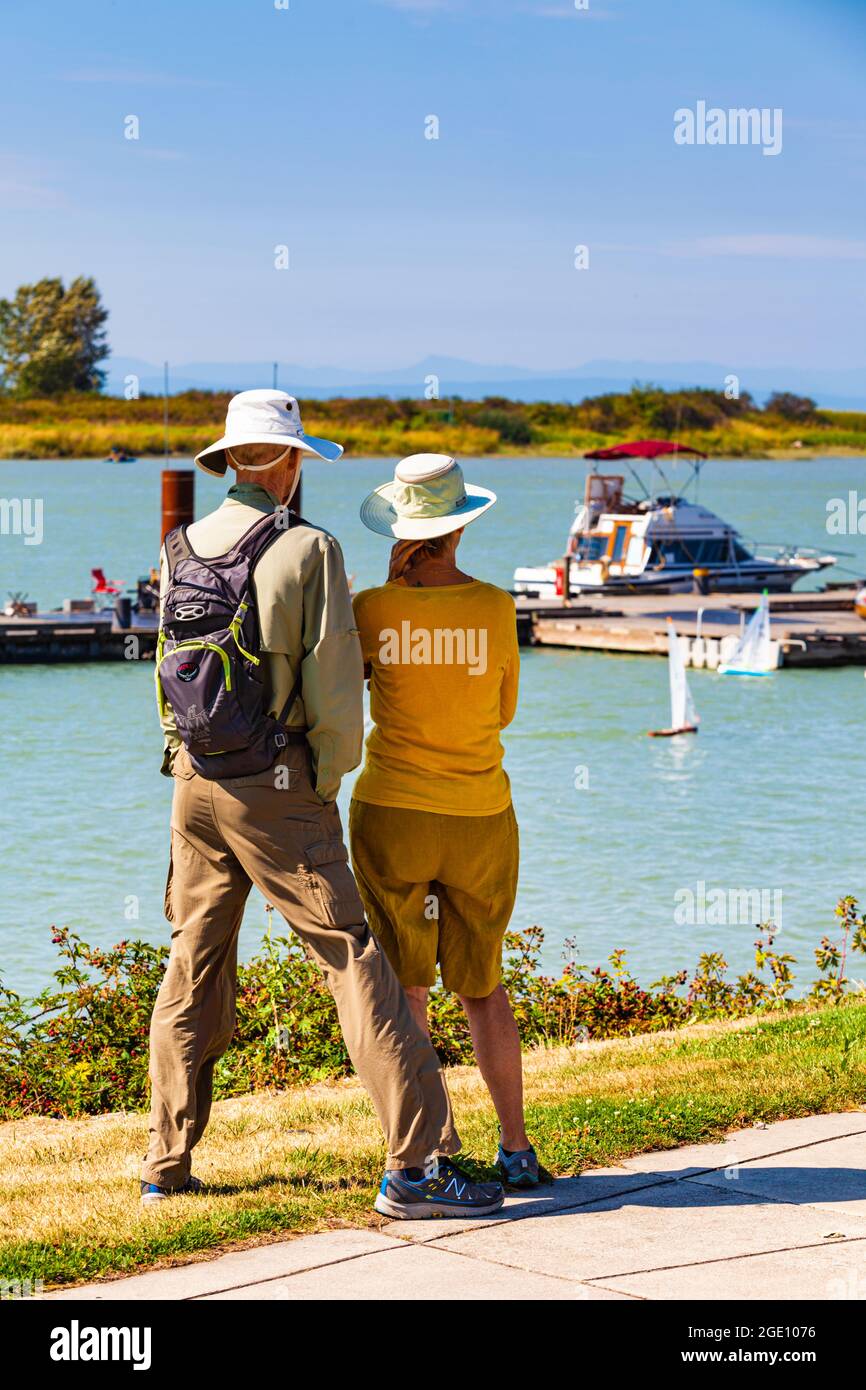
(263, 417)
(427, 498)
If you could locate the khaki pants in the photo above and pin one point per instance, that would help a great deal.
(272, 830)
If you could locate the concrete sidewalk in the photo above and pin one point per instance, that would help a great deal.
(771, 1213)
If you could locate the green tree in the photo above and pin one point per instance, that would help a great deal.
(791, 407)
(53, 338)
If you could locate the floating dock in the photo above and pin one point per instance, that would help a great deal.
(65, 637)
(820, 628)
(811, 629)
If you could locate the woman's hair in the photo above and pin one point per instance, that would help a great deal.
(405, 554)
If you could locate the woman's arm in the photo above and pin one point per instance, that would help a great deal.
(511, 674)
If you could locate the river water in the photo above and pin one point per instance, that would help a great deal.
(617, 830)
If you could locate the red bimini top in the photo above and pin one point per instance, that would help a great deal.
(644, 449)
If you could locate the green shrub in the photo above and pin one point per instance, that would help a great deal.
(82, 424)
(80, 1047)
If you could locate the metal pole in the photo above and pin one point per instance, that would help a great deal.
(165, 404)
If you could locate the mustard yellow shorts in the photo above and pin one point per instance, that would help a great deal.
(437, 889)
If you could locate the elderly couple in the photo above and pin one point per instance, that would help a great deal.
(260, 672)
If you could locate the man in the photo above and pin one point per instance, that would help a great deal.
(280, 829)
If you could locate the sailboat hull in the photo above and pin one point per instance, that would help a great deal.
(726, 671)
(672, 733)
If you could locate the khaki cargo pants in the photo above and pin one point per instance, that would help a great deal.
(272, 830)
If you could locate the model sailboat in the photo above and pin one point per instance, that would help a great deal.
(755, 654)
(684, 716)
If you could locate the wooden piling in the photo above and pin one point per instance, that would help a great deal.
(178, 499)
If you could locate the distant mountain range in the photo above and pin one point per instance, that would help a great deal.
(841, 389)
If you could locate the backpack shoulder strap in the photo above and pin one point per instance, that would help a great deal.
(177, 548)
(253, 544)
(262, 534)
(295, 519)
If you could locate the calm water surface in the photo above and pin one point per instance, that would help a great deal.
(768, 797)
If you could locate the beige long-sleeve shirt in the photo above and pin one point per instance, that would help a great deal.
(306, 621)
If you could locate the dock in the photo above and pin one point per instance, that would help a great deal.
(820, 628)
(72, 637)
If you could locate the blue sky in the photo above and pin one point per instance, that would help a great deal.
(305, 127)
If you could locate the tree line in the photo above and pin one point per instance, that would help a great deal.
(54, 338)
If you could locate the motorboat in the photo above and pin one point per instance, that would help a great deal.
(662, 542)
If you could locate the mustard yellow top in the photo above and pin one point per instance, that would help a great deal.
(444, 669)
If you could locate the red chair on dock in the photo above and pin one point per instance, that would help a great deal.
(104, 587)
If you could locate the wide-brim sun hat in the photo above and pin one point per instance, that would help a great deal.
(427, 498)
(263, 417)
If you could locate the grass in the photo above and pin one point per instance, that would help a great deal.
(309, 1159)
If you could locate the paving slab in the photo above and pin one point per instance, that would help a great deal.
(240, 1267)
(744, 1145)
(417, 1273)
(560, 1195)
(830, 1177)
(772, 1213)
(673, 1224)
(666, 1165)
(832, 1272)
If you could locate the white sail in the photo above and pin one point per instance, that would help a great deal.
(683, 712)
(754, 654)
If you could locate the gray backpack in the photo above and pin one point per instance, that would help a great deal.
(208, 656)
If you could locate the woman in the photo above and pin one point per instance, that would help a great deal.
(433, 833)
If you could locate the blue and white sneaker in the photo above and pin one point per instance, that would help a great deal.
(518, 1169)
(151, 1192)
(448, 1193)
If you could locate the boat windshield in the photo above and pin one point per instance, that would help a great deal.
(688, 551)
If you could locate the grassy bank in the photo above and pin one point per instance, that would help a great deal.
(306, 1159)
(88, 426)
(80, 1046)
